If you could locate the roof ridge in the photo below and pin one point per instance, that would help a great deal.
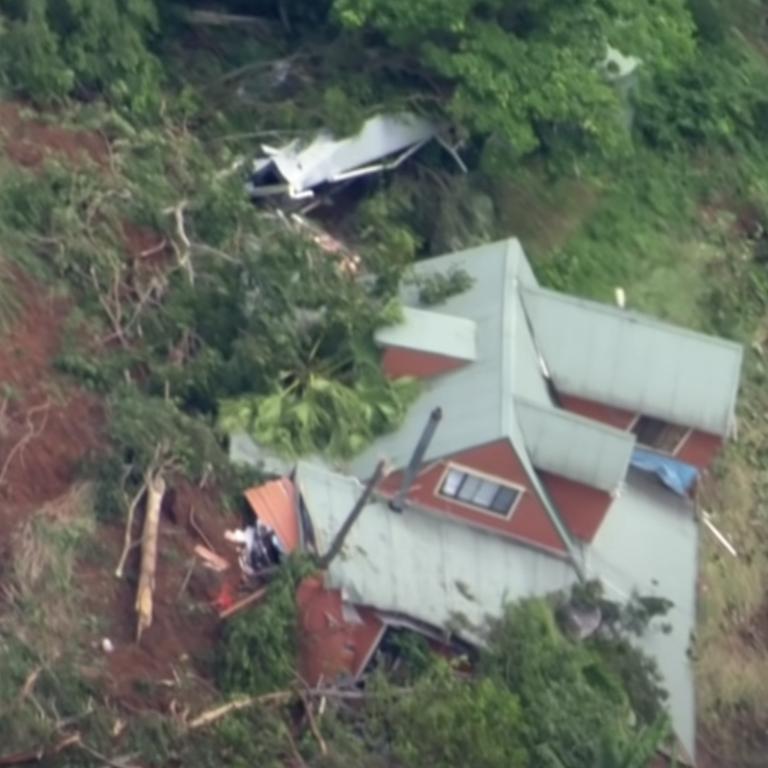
(634, 315)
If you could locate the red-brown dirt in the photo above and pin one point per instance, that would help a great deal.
(29, 142)
(70, 423)
(47, 426)
(174, 654)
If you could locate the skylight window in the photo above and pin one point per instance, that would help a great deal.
(474, 490)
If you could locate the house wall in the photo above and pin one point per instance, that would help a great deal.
(397, 362)
(329, 646)
(582, 507)
(615, 417)
(528, 522)
(699, 449)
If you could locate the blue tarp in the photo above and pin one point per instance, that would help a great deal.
(676, 475)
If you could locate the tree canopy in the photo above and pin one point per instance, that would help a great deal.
(524, 74)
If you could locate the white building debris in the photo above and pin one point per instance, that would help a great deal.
(383, 143)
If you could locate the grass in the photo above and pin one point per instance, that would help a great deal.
(42, 641)
(664, 231)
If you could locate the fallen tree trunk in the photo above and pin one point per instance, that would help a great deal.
(212, 715)
(144, 593)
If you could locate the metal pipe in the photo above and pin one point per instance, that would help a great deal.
(398, 502)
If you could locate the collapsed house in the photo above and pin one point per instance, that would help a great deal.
(571, 438)
(383, 143)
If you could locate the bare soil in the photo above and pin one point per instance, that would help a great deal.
(49, 427)
(28, 142)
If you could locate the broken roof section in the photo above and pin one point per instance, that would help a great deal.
(463, 574)
(631, 361)
(275, 505)
(383, 143)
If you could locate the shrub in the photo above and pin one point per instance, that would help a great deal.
(52, 49)
(259, 646)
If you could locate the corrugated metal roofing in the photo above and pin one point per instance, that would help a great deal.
(428, 567)
(274, 503)
(648, 544)
(472, 397)
(444, 573)
(632, 361)
(574, 447)
(478, 399)
(432, 332)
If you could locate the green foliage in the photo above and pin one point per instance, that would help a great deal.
(323, 416)
(138, 425)
(572, 700)
(629, 234)
(259, 737)
(530, 75)
(451, 722)
(721, 97)
(54, 48)
(439, 287)
(259, 647)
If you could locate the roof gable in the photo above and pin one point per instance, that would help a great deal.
(573, 447)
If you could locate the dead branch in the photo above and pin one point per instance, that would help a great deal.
(128, 543)
(32, 431)
(187, 578)
(208, 18)
(153, 249)
(144, 593)
(123, 761)
(29, 683)
(212, 715)
(40, 754)
(199, 531)
(283, 697)
(211, 560)
(297, 758)
(254, 597)
(183, 254)
(313, 726)
(110, 303)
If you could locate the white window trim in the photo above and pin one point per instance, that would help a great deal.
(688, 432)
(450, 465)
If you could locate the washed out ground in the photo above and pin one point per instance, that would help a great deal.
(49, 429)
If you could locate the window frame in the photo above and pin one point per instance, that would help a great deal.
(688, 431)
(470, 471)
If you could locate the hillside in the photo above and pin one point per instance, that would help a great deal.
(148, 308)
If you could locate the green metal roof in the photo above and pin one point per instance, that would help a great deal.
(427, 567)
(432, 332)
(574, 447)
(433, 569)
(632, 361)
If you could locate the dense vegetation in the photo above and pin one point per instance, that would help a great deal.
(231, 316)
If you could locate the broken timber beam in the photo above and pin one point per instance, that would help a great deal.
(144, 593)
